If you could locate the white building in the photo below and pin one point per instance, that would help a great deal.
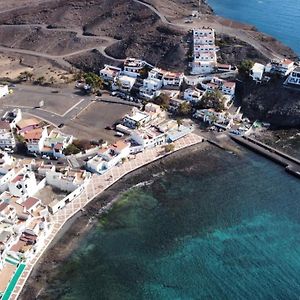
(3, 90)
(7, 139)
(55, 143)
(148, 137)
(109, 73)
(150, 88)
(282, 67)
(108, 157)
(228, 88)
(204, 51)
(212, 117)
(136, 118)
(123, 83)
(68, 181)
(133, 67)
(13, 117)
(23, 185)
(193, 95)
(172, 79)
(35, 139)
(294, 77)
(257, 71)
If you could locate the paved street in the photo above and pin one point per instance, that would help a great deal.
(94, 188)
(82, 116)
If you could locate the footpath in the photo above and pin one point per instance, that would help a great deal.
(94, 188)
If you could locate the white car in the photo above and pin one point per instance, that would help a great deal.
(119, 134)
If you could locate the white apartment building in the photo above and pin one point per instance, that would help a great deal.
(109, 73)
(133, 67)
(123, 83)
(282, 67)
(108, 157)
(257, 72)
(7, 139)
(23, 185)
(193, 95)
(35, 139)
(204, 51)
(150, 88)
(172, 79)
(68, 181)
(136, 118)
(294, 77)
(148, 137)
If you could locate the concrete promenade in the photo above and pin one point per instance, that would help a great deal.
(291, 164)
(95, 187)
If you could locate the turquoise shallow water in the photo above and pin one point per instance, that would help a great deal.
(214, 226)
(279, 18)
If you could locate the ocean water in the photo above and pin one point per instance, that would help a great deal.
(210, 225)
(279, 18)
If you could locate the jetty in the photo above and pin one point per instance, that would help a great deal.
(290, 163)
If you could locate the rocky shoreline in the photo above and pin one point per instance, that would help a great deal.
(76, 228)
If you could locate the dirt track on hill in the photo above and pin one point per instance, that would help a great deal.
(97, 31)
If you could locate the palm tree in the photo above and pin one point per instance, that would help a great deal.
(184, 108)
(179, 123)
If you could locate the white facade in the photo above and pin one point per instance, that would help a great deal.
(109, 73)
(192, 95)
(257, 71)
(150, 87)
(35, 139)
(148, 137)
(204, 51)
(133, 67)
(7, 139)
(108, 157)
(23, 185)
(172, 79)
(294, 77)
(123, 83)
(56, 142)
(68, 182)
(228, 88)
(282, 67)
(13, 117)
(3, 90)
(136, 118)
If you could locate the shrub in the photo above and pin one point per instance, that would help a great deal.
(169, 148)
(71, 149)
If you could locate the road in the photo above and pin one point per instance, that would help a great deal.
(61, 59)
(246, 36)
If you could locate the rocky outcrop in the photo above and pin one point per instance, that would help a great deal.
(270, 102)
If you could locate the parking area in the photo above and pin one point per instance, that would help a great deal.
(91, 123)
(57, 101)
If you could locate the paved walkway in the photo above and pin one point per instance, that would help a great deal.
(95, 187)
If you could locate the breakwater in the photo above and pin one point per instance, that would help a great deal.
(290, 163)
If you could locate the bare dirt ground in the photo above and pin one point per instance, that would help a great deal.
(90, 33)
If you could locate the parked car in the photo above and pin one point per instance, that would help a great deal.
(236, 132)
(119, 134)
(61, 125)
(114, 93)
